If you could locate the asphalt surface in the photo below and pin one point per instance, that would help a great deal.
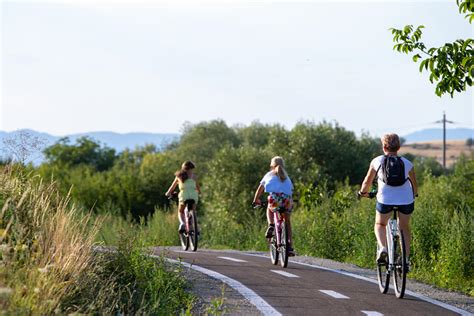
(306, 290)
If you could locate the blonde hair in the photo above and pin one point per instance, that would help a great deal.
(279, 165)
(390, 142)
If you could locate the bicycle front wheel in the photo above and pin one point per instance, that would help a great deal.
(274, 250)
(193, 231)
(400, 267)
(284, 245)
(184, 240)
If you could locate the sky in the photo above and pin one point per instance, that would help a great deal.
(150, 66)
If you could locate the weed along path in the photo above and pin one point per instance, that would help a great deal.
(303, 289)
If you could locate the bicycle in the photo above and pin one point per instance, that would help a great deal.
(397, 258)
(278, 243)
(190, 236)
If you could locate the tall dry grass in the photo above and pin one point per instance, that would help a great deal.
(46, 243)
(48, 263)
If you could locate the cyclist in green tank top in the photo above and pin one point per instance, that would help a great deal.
(189, 189)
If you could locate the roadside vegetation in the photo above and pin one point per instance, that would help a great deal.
(48, 263)
(327, 164)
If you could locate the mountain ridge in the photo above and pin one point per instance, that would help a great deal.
(432, 134)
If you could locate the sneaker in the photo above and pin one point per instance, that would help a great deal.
(291, 252)
(181, 229)
(382, 255)
(269, 232)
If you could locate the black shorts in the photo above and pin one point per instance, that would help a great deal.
(385, 208)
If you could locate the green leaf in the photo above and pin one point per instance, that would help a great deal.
(432, 64)
(465, 60)
(466, 43)
(422, 64)
(416, 57)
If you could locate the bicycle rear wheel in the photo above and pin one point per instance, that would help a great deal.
(284, 245)
(193, 231)
(383, 277)
(400, 267)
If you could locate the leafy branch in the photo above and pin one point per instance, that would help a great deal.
(451, 65)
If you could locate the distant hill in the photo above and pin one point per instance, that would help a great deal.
(114, 140)
(433, 134)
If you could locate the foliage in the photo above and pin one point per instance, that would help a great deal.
(324, 161)
(326, 151)
(147, 285)
(202, 141)
(340, 227)
(48, 265)
(84, 152)
(450, 65)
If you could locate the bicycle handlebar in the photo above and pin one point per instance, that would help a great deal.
(173, 196)
(371, 195)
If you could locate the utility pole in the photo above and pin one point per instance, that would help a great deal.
(444, 121)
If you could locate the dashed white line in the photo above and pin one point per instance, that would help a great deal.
(288, 275)
(333, 294)
(232, 259)
(372, 313)
(455, 309)
(253, 297)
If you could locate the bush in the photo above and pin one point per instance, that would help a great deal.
(48, 264)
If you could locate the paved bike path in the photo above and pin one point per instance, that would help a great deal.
(306, 290)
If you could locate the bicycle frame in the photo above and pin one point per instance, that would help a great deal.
(278, 217)
(392, 233)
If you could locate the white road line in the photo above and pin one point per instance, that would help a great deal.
(333, 294)
(253, 297)
(232, 259)
(288, 275)
(372, 313)
(408, 292)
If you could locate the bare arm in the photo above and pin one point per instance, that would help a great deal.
(369, 178)
(259, 192)
(172, 187)
(412, 176)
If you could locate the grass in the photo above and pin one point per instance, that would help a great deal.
(48, 264)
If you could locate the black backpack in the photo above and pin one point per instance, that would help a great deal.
(393, 171)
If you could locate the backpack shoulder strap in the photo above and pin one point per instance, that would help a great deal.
(380, 166)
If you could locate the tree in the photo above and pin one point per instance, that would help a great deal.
(85, 151)
(451, 65)
(23, 146)
(200, 142)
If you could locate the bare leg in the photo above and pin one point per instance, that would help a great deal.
(404, 223)
(269, 216)
(380, 226)
(181, 213)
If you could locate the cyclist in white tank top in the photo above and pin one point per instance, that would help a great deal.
(388, 196)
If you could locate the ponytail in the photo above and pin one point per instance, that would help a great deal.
(281, 173)
(182, 175)
(279, 165)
